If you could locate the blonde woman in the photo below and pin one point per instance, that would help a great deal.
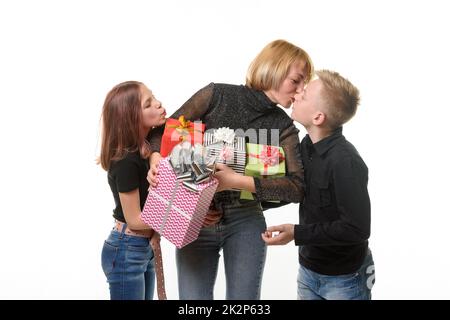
(279, 71)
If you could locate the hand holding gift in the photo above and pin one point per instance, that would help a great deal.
(226, 176)
(152, 173)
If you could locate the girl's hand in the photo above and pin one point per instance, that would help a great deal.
(153, 172)
(155, 239)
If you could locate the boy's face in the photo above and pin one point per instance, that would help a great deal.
(307, 103)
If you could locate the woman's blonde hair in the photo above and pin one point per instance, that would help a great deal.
(271, 65)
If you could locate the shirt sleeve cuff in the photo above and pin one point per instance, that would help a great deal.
(258, 189)
(297, 235)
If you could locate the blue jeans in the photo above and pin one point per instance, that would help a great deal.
(354, 286)
(127, 262)
(238, 234)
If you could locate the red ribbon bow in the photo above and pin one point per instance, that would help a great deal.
(269, 156)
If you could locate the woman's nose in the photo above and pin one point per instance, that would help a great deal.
(300, 88)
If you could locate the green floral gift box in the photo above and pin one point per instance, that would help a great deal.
(265, 162)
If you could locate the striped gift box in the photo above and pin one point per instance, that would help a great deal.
(232, 154)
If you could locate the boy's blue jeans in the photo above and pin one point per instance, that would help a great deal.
(238, 234)
(354, 286)
(127, 262)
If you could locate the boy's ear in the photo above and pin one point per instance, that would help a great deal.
(319, 118)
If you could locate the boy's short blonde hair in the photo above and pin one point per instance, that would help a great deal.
(271, 65)
(340, 96)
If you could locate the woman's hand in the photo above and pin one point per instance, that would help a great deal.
(212, 217)
(153, 172)
(227, 177)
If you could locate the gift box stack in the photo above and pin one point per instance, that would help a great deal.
(177, 206)
(264, 162)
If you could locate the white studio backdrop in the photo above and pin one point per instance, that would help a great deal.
(58, 59)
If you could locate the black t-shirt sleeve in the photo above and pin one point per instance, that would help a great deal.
(126, 172)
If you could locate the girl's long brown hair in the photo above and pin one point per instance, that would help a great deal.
(122, 129)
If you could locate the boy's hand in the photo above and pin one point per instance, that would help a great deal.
(153, 172)
(285, 234)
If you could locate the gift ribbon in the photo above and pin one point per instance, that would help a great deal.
(170, 206)
(184, 128)
(226, 154)
(269, 156)
(192, 173)
(224, 134)
(221, 151)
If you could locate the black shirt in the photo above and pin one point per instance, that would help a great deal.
(335, 213)
(126, 175)
(240, 107)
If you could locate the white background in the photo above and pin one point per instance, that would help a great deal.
(58, 59)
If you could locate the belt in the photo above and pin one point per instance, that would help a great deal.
(159, 270)
(119, 227)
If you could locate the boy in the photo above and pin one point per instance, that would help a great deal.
(335, 260)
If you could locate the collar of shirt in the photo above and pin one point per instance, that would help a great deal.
(325, 144)
(263, 103)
